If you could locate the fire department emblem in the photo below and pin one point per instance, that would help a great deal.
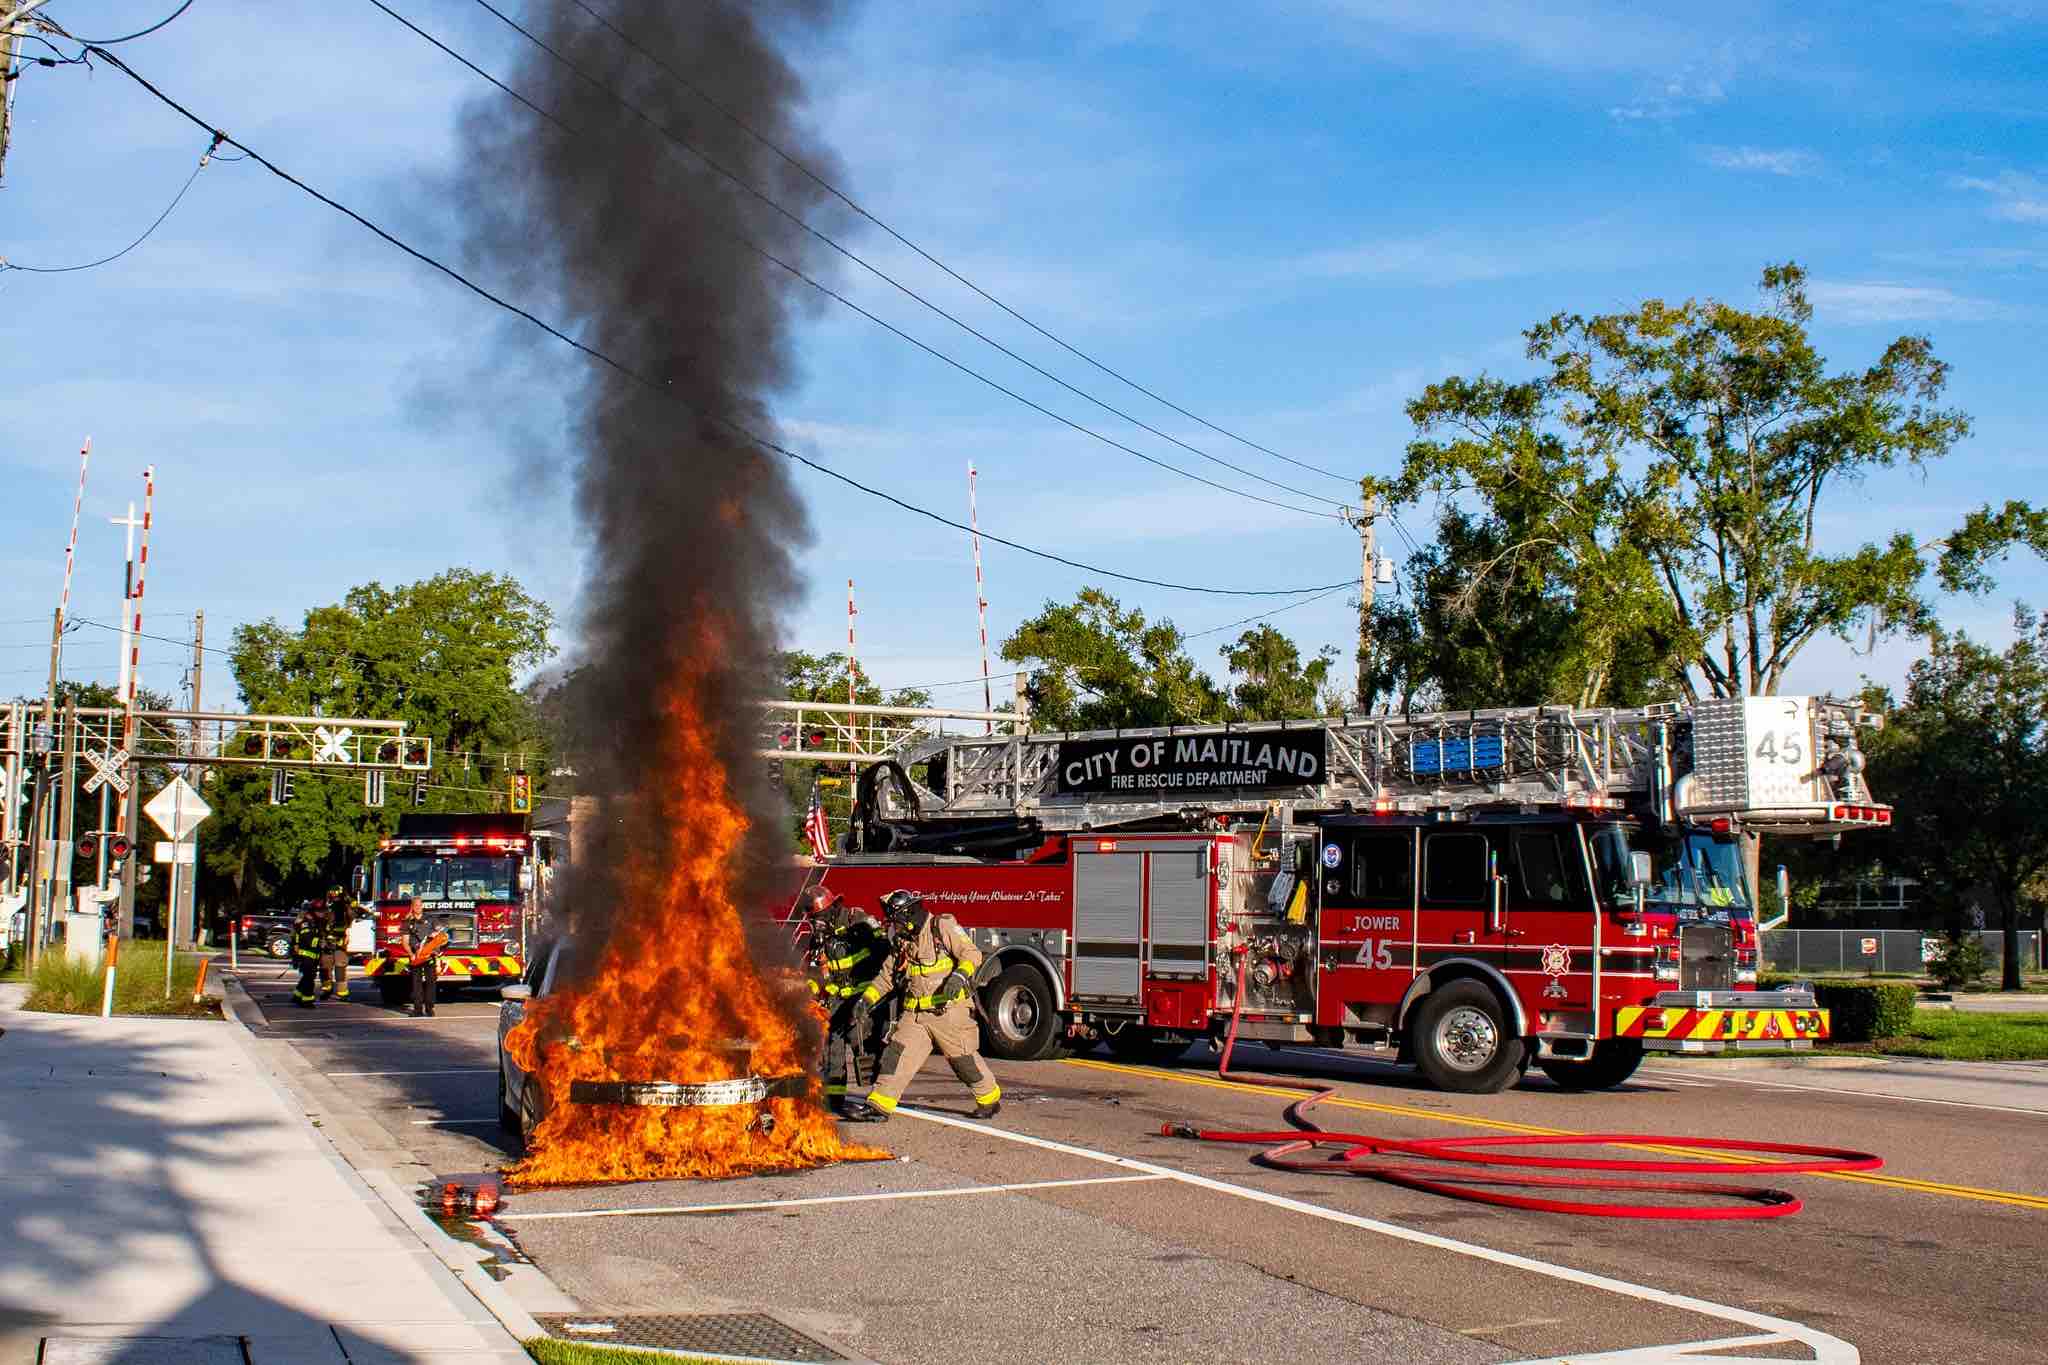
(1557, 960)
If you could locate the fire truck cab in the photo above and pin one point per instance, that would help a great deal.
(474, 876)
(1475, 893)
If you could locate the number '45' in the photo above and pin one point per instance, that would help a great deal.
(1784, 748)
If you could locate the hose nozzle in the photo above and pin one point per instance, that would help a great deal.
(1179, 1130)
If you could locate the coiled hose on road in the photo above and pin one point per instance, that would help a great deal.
(1362, 1154)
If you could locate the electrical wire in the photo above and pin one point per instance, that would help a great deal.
(796, 220)
(139, 33)
(822, 288)
(1228, 625)
(147, 232)
(625, 371)
(804, 170)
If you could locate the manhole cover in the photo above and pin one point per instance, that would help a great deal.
(732, 1334)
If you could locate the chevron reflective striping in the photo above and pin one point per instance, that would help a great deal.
(1695, 1025)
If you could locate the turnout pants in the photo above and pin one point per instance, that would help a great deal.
(849, 1054)
(951, 1033)
(334, 974)
(423, 975)
(309, 968)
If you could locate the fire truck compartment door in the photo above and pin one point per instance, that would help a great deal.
(1179, 914)
(1108, 919)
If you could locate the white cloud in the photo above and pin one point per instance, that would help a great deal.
(2017, 196)
(1672, 97)
(1787, 161)
(1880, 301)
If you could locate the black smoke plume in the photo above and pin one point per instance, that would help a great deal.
(690, 531)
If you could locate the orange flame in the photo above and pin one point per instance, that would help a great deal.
(676, 997)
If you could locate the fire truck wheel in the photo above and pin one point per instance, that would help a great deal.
(1019, 1021)
(1463, 1040)
(1613, 1061)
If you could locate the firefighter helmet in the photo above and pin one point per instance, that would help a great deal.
(905, 911)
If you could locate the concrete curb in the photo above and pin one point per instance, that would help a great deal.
(459, 1262)
(1825, 1062)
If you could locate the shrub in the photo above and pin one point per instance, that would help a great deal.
(1959, 963)
(61, 984)
(1859, 1011)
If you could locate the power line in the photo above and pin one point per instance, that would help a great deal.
(802, 169)
(129, 38)
(1212, 630)
(146, 234)
(663, 390)
(768, 256)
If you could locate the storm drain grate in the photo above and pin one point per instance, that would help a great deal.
(731, 1334)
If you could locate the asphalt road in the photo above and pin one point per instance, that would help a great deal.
(1071, 1230)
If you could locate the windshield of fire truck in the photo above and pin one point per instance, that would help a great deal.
(1693, 874)
(474, 878)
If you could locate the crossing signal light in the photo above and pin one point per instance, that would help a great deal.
(88, 844)
(522, 793)
(119, 846)
(419, 789)
(280, 787)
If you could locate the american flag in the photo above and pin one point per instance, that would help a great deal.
(815, 828)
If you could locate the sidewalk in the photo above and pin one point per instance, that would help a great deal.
(157, 1183)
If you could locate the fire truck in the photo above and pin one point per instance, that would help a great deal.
(1474, 891)
(475, 877)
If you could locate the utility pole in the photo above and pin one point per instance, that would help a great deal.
(1362, 522)
(131, 522)
(13, 23)
(38, 900)
(188, 910)
(60, 868)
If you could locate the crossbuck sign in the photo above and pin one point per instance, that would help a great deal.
(106, 770)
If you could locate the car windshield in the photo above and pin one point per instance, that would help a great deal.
(481, 878)
(1694, 874)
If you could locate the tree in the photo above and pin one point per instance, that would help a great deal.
(441, 655)
(1965, 762)
(822, 678)
(1664, 477)
(1274, 683)
(1097, 666)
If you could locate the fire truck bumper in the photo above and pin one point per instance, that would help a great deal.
(461, 966)
(1714, 1026)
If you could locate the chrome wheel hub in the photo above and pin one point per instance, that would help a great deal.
(1466, 1038)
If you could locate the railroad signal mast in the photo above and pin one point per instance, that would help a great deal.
(1477, 890)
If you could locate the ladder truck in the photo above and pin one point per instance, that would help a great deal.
(1474, 891)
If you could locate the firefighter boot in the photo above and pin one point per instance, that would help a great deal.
(861, 1111)
(988, 1096)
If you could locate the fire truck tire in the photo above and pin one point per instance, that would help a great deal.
(393, 993)
(1463, 1040)
(1613, 1061)
(1019, 1023)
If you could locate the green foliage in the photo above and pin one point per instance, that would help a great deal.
(552, 1351)
(1648, 501)
(61, 984)
(441, 655)
(1859, 1011)
(1961, 1036)
(1965, 762)
(1959, 963)
(1274, 683)
(1097, 666)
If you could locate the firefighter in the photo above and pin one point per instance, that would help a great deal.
(334, 946)
(422, 973)
(309, 933)
(934, 963)
(847, 950)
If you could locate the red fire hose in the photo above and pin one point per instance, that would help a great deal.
(1364, 1155)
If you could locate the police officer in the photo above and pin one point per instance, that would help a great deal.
(334, 946)
(423, 973)
(934, 963)
(309, 934)
(847, 951)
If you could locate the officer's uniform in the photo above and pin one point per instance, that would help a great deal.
(847, 954)
(334, 951)
(308, 938)
(933, 1018)
(422, 974)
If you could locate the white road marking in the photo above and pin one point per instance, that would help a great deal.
(1666, 1078)
(447, 1123)
(1678, 1352)
(1878, 1095)
(832, 1198)
(1827, 1350)
(459, 1071)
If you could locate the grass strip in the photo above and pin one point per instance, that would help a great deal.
(62, 984)
(555, 1351)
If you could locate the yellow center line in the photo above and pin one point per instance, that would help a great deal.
(1898, 1182)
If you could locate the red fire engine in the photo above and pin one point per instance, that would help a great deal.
(1478, 891)
(474, 877)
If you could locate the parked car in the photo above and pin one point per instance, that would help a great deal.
(270, 930)
(519, 1102)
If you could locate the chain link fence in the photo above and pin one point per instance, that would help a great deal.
(1831, 952)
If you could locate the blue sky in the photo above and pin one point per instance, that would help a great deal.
(1287, 219)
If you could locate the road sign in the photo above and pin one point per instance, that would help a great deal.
(184, 852)
(178, 809)
(1870, 947)
(333, 745)
(107, 769)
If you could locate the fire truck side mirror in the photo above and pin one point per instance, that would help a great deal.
(1639, 871)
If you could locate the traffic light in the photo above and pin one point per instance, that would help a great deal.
(522, 793)
(281, 784)
(419, 789)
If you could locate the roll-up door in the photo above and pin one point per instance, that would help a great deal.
(1180, 913)
(1108, 905)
